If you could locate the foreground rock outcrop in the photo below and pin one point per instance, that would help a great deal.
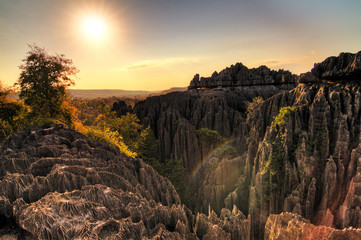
(292, 226)
(57, 184)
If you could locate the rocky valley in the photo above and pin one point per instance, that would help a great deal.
(270, 155)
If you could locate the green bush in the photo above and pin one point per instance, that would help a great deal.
(138, 138)
(177, 175)
(212, 166)
(280, 119)
(12, 114)
(274, 164)
(5, 130)
(45, 122)
(253, 104)
(227, 151)
(209, 137)
(43, 81)
(112, 138)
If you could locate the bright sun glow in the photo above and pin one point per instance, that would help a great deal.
(94, 27)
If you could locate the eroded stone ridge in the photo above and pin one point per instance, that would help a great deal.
(292, 226)
(57, 184)
(240, 75)
(176, 116)
(345, 67)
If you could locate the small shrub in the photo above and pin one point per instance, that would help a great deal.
(114, 139)
(252, 104)
(45, 122)
(212, 166)
(280, 119)
(227, 151)
(274, 164)
(5, 130)
(208, 136)
(177, 175)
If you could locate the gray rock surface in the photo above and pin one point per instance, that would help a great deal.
(298, 151)
(308, 165)
(57, 184)
(240, 75)
(317, 168)
(174, 118)
(346, 66)
(292, 226)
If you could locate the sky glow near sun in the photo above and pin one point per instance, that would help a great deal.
(94, 26)
(159, 44)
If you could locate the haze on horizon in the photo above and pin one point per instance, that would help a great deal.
(159, 44)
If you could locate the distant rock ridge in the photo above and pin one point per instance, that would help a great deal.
(121, 108)
(239, 75)
(345, 67)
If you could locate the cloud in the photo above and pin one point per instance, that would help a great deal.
(158, 63)
(272, 62)
(138, 66)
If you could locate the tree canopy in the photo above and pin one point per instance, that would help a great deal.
(43, 81)
(10, 113)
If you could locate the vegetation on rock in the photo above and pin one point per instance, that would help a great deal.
(253, 104)
(280, 119)
(12, 113)
(275, 163)
(209, 137)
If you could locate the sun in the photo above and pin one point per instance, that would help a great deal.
(94, 27)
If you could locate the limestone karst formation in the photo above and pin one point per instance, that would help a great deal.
(292, 168)
(57, 184)
(306, 164)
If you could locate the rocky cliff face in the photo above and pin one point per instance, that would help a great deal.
(292, 226)
(57, 184)
(302, 153)
(175, 117)
(298, 151)
(240, 75)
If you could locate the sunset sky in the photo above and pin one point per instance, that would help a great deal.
(159, 44)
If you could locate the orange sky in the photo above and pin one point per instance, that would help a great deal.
(159, 44)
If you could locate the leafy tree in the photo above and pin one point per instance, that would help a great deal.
(43, 81)
(12, 113)
(209, 137)
(280, 119)
(109, 137)
(253, 104)
(139, 138)
(4, 92)
(177, 175)
(147, 144)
